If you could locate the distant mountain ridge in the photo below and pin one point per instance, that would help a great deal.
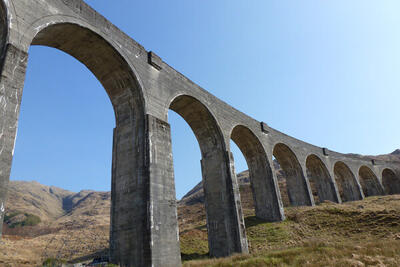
(47, 202)
(396, 152)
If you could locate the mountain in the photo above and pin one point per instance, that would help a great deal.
(48, 222)
(47, 202)
(394, 156)
(396, 152)
(196, 194)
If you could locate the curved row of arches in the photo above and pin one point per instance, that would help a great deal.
(142, 171)
(304, 184)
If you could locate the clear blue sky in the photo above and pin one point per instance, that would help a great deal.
(326, 72)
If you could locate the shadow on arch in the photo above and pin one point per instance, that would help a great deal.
(346, 183)
(101, 58)
(223, 214)
(320, 180)
(391, 182)
(296, 184)
(369, 182)
(267, 205)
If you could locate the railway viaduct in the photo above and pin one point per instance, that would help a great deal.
(142, 88)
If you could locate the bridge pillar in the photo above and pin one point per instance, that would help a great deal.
(13, 69)
(225, 223)
(144, 226)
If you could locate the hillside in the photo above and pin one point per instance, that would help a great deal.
(75, 227)
(361, 233)
(72, 225)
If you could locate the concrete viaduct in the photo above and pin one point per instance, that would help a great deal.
(142, 88)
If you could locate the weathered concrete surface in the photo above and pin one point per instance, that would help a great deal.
(348, 185)
(263, 184)
(319, 175)
(142, 88)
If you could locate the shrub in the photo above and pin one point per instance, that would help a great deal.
(30, 220)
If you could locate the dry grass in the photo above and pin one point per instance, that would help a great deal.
(362, 233)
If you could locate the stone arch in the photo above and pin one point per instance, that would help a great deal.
(128, 222)
(296, 183)
(99, 56)
(369, 182)
(348, 187)
(267, 204)
(220, 189)
(319, 175)
(202, 123)
(391, 182)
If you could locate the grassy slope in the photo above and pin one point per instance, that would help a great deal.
(352, 234)
(362, 233)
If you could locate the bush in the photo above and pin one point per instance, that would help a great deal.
(30, 220)
(10, 215)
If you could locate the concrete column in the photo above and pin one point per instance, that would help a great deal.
(165, 250)
(226, 232)
(265, 190)
(244, 246)
(129, 233)
(144, 228)
(309, 198)
(13, 68)
(335, 187)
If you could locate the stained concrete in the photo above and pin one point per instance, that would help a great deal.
(142, 88)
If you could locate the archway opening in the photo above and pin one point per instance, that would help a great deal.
(189, 187)
(369, 182)
(281, 178)
(295, 180)
(262, 183)
(217, 185)
(320, 180)
(119, 82)
(391, 182)
(346, 183)
(241, 170)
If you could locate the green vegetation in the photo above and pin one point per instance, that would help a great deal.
(52, 262)
(9, 216)
(29, 219)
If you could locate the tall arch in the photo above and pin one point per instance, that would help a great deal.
(346, 182)
(225, 224)
(264, 187)
(369, 182)
(319, 175)
(121, 85)
(391, 182)
(297, 188)
(130, 237)
(99, 56)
